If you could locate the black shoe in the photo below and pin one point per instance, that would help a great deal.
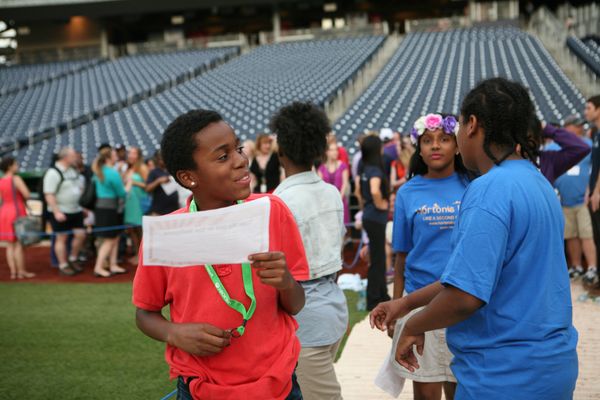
(76, 266)
(68, 271)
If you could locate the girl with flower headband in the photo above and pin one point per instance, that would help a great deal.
(504, 294)
(425, 210)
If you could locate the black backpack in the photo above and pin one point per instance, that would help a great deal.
(88, 197)
(40, 190)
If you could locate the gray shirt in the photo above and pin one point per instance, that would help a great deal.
(319, 213)
(318, 210)
(68, 192)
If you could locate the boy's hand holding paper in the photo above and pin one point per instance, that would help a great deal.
(272, 269)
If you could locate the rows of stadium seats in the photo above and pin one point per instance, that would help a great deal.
(19, 77)
(588, 51)
(432, 72)
(68, 101)
(246, 91)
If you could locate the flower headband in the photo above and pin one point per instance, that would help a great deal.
(431, 122)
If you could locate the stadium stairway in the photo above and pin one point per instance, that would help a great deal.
(409, 86)
(553, 34)
(364, 77)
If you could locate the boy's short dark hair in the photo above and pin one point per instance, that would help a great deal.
(595, 100)
(178, 142)
(302, 130)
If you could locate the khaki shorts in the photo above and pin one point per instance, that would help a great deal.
(434, 363)
(578, 223)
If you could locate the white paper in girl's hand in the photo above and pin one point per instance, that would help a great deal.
(222, 236)
(388, 380)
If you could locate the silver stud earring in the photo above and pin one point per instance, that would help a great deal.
(193, 183)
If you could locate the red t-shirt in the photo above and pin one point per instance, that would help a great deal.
(258, 365)
(343, 155)
(400, 169)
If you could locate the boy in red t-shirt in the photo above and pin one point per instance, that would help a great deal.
(218, 351)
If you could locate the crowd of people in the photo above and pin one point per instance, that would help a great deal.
(125, 188)
(453, 210)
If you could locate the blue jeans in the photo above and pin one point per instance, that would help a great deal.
(183, 389)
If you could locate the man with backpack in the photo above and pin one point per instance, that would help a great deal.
(62, 189)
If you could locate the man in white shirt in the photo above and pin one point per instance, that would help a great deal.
(62, 190)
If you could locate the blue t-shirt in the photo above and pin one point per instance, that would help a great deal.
(370, 212)
(508, 252)
(573, 184)
(424, 217)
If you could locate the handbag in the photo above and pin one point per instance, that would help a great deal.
(28, 228)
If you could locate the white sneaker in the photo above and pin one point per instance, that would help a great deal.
(575, 272)
(590, 277)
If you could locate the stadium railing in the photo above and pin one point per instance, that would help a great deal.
(319, 33)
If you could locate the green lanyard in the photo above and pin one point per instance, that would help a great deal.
(248, 287)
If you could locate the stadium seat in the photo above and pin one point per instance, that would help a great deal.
(432, 71)
(246, 91)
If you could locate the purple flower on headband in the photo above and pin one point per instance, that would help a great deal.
(414, 134)
(449, 124)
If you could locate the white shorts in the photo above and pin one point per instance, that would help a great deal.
(389, 231)
(434, 364)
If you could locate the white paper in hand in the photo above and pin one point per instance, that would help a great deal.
(170, 187)
(222, 236)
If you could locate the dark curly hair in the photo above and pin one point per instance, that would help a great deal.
(505, 111)
(301, 129)
(178, 142)
(417, 165)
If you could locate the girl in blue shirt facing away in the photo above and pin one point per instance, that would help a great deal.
(424, 215)
(504, 294)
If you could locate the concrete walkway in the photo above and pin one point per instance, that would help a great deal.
(367, 348)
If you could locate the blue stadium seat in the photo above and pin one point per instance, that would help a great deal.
(588, 51)
(246, 91)
(80, 97)
(19, 77)
(413, 83)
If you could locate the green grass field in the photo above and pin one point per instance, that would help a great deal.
(79, 341)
